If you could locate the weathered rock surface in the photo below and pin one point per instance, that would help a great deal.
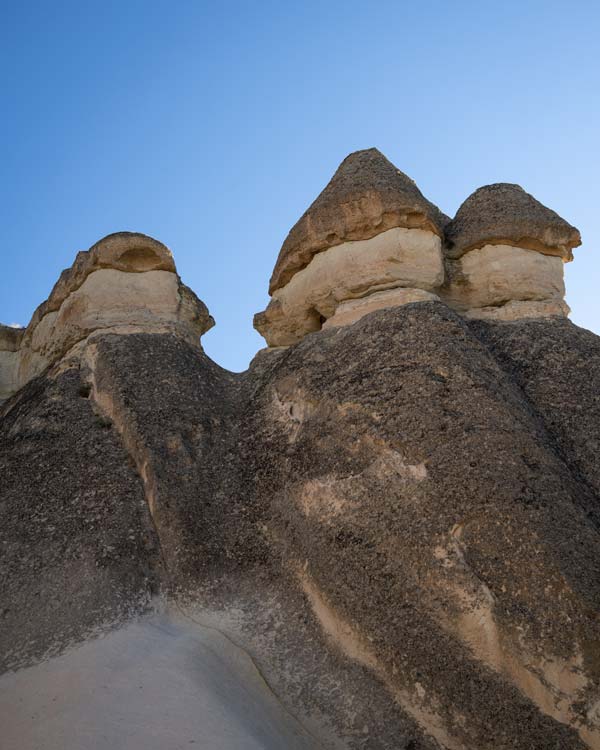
(384, 534)
(395, 258)
(79, 550)
(426, 486)
(352, 310)
(371, 230)
(127, 280)
(505, 282)
(504, 214)
(418, 514)
(366, 196)
(208, 694)
(10, 339)
(504, 254)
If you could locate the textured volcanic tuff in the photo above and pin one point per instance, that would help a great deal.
(366, 196)
(386, 535)
(370, 234)
(403, 484)
(505, 214)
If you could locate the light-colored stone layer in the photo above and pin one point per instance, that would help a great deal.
(10, 338)
(496, 274)
(518, 310)
(8, 373)
(398, 257)
(352, 310)
(105, 299)
(160, 683)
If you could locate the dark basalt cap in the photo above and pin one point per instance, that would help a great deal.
(366, 196)
(504, 213)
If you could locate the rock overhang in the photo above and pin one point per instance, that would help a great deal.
(366, 196)
(126, 281)
(505, 214)
(498, 254)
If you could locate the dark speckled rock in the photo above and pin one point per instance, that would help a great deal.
(398, 520)
(505, 214)
(79, 550)
(439, 536)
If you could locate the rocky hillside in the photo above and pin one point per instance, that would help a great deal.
(384, 534)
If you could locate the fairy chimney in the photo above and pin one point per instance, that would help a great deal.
(127, 283)
(505, 253)
(369, 240)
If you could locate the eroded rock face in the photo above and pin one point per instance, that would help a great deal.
(382, 535)
(10, 340)
(504, 253)
(371, 230)
(506, 283)
(352, 310)
(431, 489)
(396, 258)
(505, 214)
(366, 196)
(126, 281)
(402, 500)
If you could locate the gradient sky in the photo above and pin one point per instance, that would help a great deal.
(212, 126)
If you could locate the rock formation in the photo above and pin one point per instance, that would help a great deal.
(370, 230)
(371, 240)
(505, 252)
(126, 282)
(10, 341)
(384, 534)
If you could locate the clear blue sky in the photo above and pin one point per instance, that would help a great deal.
(212, 125)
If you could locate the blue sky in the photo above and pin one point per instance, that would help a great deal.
(212, 125)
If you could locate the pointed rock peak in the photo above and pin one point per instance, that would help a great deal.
(366, 196)
(503, 213)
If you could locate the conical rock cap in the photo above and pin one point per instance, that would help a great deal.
(504, 213)
(366, 196)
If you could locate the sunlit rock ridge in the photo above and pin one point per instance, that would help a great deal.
(384, 534)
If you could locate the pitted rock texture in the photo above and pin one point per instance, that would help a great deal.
(406, 488)
(505, 214)
(384, 534)
(439, 537)
(366, 196)
(79, 550)
(558, 368)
